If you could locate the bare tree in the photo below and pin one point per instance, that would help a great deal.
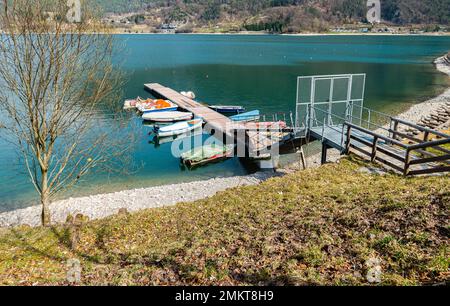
(55, 77)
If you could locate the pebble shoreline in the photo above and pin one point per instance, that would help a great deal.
(105, 205)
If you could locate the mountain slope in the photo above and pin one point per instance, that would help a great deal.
(336, 11)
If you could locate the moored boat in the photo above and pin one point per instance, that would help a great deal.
(178, 128)
(207, 154)
(129, 104)
(247, 117)
(143, 103)
(227, 109)
(134, 103)
(158, 141)
(168, 116)
(158, 106)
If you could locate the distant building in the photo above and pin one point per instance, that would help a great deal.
(168, 28)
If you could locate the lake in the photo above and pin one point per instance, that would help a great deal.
(258, 72)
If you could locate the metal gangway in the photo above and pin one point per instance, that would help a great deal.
(330, 109)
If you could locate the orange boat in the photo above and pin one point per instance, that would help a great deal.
(158, 106)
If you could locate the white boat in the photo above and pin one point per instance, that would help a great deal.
(178, 128)
(129, 104)
(170, 116)
(157, 106)
(136, 103)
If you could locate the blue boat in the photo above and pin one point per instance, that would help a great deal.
(247, 117)
(227, 109)
(166, 109)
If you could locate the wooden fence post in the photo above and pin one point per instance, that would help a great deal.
(395, 130)
(407, 162)
(426, 136)
(348, 140)
(374, 149)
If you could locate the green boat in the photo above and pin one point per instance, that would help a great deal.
(206, 154)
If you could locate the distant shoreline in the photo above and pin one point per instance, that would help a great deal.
(289, 34)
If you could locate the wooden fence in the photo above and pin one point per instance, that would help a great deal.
(426, 155)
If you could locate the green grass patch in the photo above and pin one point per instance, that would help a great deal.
(316, 227)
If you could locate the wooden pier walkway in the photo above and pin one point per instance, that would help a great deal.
(216, 121)
(218, 124)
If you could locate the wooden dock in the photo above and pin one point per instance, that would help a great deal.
(217, 122)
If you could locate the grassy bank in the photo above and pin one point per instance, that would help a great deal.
(313, 227)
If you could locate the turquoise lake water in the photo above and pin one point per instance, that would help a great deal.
(258, 72)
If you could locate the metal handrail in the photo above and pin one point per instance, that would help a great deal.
(330, 126)
(342, 131)
(353, 117)
(329, 113)
(372, 110)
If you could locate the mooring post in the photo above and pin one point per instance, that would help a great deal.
(324, 153)
(303, 158)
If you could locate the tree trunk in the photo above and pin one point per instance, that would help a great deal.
(45, 201)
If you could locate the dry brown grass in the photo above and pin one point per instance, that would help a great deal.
(317, 227)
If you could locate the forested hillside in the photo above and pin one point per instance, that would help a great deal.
(285, 16)
(397, 11)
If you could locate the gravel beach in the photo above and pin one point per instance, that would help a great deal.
(104, 205)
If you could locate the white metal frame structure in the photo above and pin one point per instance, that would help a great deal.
(324, 93)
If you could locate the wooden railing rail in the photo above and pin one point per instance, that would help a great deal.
(372, 133)
(409, 159)
(427, 131)
(430, 144)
